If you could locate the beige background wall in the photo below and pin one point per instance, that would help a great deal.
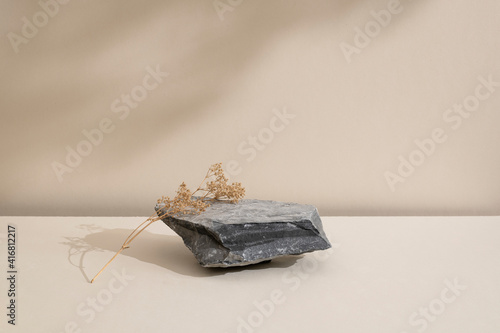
(358, 104)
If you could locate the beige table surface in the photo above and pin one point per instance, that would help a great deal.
(383, 274)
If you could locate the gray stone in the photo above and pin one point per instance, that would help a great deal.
(249, 232)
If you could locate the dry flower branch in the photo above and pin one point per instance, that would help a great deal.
(214, 186)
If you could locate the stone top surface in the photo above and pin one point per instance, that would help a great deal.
(252, 211)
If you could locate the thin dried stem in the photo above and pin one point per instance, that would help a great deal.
(109, 262)
(148, 219)
(127, 242)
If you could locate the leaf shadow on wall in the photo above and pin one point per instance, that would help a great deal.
(88, 56)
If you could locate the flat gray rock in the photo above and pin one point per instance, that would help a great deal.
(249, 232)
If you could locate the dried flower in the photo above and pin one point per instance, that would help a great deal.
(214, 186)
